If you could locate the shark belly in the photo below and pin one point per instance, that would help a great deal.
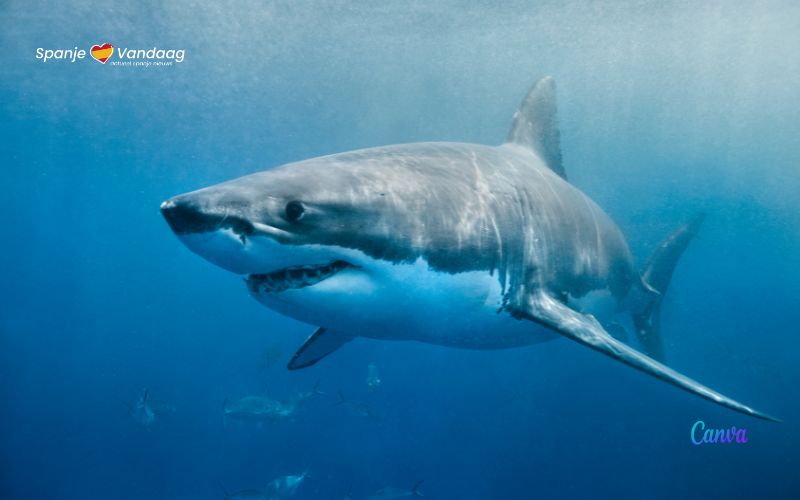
(411, 301)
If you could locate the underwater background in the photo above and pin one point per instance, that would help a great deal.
(667, 109)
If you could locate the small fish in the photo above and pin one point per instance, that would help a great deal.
(247, 495)
(286, 485)
(141, 412)
(251, 494)
(146, 410)
(389, 493)
(265, 409)
(257, 409)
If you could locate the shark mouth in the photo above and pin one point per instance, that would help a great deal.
(294, 278)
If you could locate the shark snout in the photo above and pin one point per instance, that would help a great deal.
(184, 217)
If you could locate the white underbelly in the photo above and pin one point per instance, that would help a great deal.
(485, 329)
(412, 302)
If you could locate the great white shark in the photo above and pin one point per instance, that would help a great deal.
(463, 245)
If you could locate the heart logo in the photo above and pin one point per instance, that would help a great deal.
(102, 52)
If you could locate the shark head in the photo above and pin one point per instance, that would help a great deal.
(287, 230)
(295, 217)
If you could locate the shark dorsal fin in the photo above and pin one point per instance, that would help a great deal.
(535, 125)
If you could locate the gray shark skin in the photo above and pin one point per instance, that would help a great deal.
(463, 245)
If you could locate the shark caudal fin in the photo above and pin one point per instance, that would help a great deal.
(415, 492)
(655, 276)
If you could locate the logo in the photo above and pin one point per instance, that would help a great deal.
(102, 52)
(152, 56)
(702, 435)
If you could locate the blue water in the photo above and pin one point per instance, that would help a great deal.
(667, 109)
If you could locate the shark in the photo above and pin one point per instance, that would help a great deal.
(454, 244)
(259, 409)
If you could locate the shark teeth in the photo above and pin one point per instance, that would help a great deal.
(295, 277)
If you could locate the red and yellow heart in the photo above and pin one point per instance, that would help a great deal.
(102, 52)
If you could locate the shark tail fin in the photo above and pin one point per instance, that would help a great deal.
(416, 491)
(655, 277)
(316, 390)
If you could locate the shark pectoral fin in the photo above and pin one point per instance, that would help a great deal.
(585, 330)
(321, 343)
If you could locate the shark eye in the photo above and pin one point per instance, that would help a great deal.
(294, 211)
